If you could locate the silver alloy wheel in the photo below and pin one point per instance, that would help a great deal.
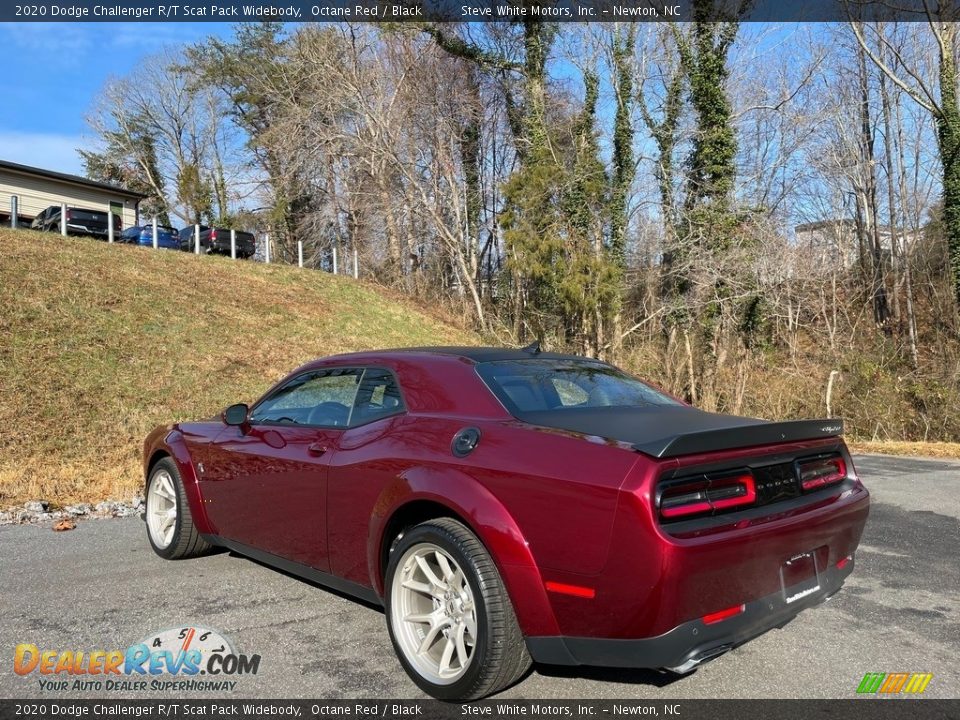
(433, 614)
(162, 509)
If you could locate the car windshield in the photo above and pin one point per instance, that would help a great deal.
(544, 385)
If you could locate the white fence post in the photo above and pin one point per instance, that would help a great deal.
(266, 247)
(300, 253)
(233, 244)
(63, 219)
(334, 259)
(196, 238)
(356, 264)
(109, 224)
(13, 211)
(156, 240)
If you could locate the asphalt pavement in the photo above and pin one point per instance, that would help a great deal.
(100, 587)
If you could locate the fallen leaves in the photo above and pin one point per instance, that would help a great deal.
(63, 525)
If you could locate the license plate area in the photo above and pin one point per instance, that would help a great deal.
(799, 577)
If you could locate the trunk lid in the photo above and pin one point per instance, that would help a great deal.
(665, 431)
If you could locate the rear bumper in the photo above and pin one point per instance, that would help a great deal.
(690, 644)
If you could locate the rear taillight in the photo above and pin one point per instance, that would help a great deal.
(706, 494)
(213, 234)
(69, 216)
(815, 474)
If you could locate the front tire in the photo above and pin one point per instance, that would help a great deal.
(449, 616)
(170, 528)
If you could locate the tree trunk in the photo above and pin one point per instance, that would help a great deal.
(948, 134)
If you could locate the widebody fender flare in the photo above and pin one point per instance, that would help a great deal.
(486, 516)
(170, 441)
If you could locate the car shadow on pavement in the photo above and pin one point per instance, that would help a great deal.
(306, 581)
(633, 676)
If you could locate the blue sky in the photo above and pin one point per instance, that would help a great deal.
(53, 72)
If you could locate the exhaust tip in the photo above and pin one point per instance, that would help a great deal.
(699, 659)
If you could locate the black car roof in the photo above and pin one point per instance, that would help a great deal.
(490, 354)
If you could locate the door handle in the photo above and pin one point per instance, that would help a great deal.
(316, 448)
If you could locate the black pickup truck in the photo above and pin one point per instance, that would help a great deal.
(217, 240)
(80, 221)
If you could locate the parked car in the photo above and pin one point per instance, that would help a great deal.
(217, 240)
(167, 237)
(512, 505)
(80, 221)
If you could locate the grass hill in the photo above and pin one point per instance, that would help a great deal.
(99, 343)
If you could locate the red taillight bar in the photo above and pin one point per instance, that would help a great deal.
(703, 496)
(723, 614)
(824, 471)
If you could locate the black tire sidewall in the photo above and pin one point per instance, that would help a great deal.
(171, 467)
(429, 533)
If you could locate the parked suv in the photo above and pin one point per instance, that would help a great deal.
(217, 240)
(80, 221)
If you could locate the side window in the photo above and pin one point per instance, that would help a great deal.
(321, 397)
(378, 396)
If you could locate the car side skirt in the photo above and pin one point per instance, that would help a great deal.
(688, 645)
(305, 572)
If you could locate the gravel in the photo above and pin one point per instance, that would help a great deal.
(38, 512)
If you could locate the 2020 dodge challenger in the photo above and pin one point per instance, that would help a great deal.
(509, 506)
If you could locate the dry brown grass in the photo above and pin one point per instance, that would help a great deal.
(914, 449)
(99, 343)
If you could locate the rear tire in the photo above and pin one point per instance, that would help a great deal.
(449, 616)
(170, 528)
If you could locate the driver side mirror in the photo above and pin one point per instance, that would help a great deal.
(236, 414)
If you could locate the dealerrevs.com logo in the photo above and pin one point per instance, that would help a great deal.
(170, 660)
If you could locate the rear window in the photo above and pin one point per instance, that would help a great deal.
(88, 215)
(538, 385)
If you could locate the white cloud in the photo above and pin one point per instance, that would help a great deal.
(50, 151)
(61, 42)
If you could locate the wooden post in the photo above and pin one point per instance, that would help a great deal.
(13, 211)
(356, 264)
(196, 238)
(266, 247)
(109, 224)
(233, 244)
(300, 252)
(63, 219)
(156, 241)
(334, 259)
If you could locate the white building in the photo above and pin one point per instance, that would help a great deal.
(34, 190)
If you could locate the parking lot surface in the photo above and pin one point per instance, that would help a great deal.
(100, 587)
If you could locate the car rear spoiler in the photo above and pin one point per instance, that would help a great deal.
(763, 433)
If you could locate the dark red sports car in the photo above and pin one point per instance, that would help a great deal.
(511, 505)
